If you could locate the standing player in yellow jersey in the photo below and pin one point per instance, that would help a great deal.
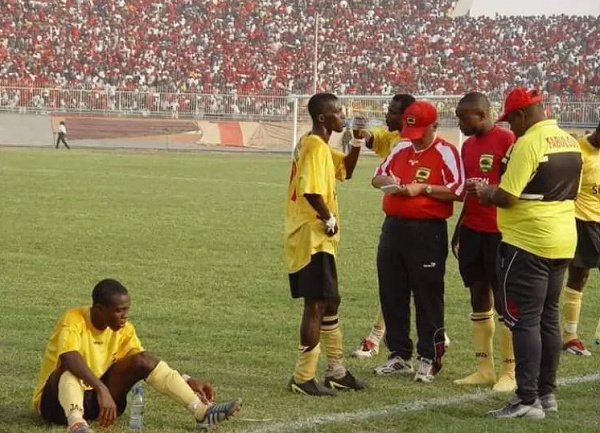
(382, 141)
(93, 359)
(311, 242)
(587, 255)
(536, 217)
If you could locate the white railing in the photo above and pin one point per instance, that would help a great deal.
(267, 106)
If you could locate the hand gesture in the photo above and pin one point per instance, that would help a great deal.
(358, 129)
(203, 389)
(481, 191)
(331, 226)
(361, 134)
(107, 406)
(474, 188)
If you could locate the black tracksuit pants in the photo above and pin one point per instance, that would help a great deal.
(411, 259)
(529, 292)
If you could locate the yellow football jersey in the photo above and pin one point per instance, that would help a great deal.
(314, 170)
(587, 205)
(74, 332)
(542, 169)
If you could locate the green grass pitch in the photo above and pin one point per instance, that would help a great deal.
(197, 238)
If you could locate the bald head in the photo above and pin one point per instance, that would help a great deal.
(475, 100)
(473, 112)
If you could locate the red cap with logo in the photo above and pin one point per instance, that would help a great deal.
(416, 118)
(517, 99)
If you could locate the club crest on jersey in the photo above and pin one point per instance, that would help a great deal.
(422, 174)
(486, 162)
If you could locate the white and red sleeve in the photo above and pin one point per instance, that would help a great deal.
(453, 172)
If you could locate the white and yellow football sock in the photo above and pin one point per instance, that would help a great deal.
(506, 381)
(170, 383)
(331, 337)
(483, 334)
(70, 397)
(306, 366)
(571, 311)
(378, 329)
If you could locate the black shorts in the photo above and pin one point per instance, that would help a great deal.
(587, 255)
(316, 280)
(52, 411)
(477, 256)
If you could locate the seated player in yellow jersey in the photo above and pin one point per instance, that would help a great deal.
(93, 359)
(311, 238)
(587, 254)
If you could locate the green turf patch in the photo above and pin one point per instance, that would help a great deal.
(197, 238)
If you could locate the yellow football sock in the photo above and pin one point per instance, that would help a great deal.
(331, 337)
(306, 366)
(70, 397)
(506, 382)
(170, 383)
(597, 337)
(378, 328)
(571, 311)
(483, 334)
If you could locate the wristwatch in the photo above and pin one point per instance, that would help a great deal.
(428, 189)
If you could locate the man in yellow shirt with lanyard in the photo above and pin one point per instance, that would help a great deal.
(382, 141)
(93, 359)
(311, 237)
(536, 217)
(587, 254)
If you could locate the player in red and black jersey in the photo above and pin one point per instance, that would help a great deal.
(476, 239)
(421, 178)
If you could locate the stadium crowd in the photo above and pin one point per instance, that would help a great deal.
(255, 46)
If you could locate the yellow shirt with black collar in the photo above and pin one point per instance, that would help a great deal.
(542, 169)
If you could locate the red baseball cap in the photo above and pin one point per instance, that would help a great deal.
(416, 118)
(518, 98)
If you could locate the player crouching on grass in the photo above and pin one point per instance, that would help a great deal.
(311, 240)
(93, 359)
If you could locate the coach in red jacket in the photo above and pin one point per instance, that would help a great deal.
(421, 178)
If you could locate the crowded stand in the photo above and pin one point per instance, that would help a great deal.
(267, 46)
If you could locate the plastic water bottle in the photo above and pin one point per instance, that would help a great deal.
(136, 412)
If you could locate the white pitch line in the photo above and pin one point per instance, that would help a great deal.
(413, 406)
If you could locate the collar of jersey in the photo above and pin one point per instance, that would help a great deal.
(542, 124)
(433, 143)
